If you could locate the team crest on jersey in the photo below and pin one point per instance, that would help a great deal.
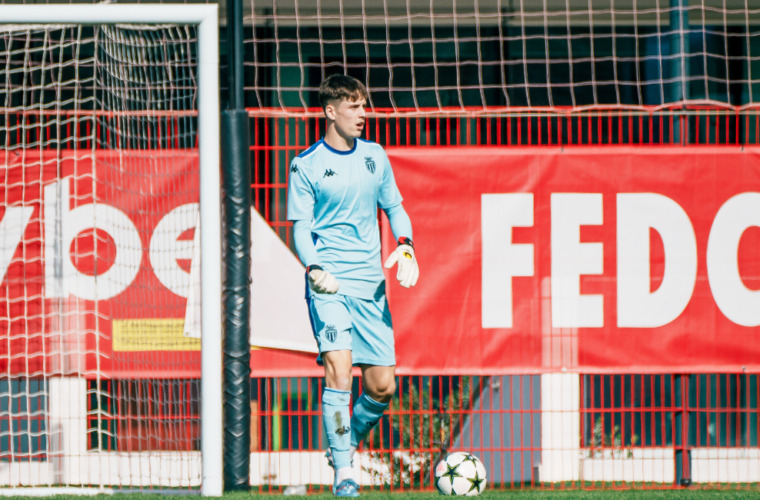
(370, 163)
(331, 333)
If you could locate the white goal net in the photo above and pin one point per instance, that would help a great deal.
(510, 54)
(101, 194)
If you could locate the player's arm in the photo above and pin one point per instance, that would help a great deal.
(408, 270)
(301, 211)
(320, 281)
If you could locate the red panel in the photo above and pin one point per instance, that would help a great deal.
(439, 325)
(142, 186)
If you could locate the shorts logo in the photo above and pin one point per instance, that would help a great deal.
(370, 163)
(331, 333)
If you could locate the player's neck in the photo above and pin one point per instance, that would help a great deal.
(338, 141)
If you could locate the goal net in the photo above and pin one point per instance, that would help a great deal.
(435, 69)
(101, 193)
(510, 54)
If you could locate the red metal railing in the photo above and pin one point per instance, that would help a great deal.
(278, 137)
(648, 419)
(671, 416)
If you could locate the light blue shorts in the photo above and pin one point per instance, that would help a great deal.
(341, 322)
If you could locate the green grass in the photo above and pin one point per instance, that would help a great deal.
(556, 495)
(730, 492)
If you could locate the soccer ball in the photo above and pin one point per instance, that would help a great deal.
(460, 473)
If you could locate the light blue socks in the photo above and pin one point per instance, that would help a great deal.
(367, 413)
(337, 422)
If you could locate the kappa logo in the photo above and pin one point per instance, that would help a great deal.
(331, 333)
(370, 164)
(294, 168)
(329, 173)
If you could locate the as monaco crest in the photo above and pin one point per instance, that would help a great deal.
(370, 163)
(331, 333)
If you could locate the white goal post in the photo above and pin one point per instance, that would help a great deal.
(205, 17)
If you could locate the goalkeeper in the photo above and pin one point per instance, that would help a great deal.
(334, 190)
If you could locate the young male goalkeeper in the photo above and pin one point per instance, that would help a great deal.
(334, 191)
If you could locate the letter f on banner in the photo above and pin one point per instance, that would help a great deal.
(502, 259)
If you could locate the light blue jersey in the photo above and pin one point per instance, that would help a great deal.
(340, 192)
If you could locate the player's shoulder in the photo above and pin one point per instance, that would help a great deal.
(311, 151)
(308, 157)
(373, 149)
(370, 145)
(377, 153)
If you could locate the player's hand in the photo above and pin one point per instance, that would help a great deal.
(408, 269)
(322, 281)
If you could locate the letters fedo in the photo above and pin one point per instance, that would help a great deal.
(637, 215)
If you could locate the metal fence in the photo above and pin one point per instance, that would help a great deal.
(636, 430)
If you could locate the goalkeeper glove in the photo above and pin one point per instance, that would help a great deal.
(321, 281)
(408, 270)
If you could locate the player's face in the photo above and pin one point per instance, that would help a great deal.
(349, 117)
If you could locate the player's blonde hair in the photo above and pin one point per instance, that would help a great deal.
(338, 87)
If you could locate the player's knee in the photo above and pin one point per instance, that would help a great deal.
(338, 382)
(338, 370)
(391, 390)
(383, 392)
(343, 383)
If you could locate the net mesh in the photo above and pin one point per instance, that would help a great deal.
(103, 118)
(98, 210)
(516, 54)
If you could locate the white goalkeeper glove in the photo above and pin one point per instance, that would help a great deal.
(321, 281)
(408, 269)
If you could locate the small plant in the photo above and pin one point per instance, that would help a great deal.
(613, 443)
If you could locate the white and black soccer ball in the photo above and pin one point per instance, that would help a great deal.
(460, 473)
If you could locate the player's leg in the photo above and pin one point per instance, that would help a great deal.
(331, 322)
(379, 384)
(373, 350)
(336, 399)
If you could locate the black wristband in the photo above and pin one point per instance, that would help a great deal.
(313, 267)
(405, 241)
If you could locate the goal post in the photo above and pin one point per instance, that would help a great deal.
(205, 19)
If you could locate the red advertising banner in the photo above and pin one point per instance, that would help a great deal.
(613, 259)
(95, 258)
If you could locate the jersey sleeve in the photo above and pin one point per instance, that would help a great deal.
(401, 224)
(300, 193)
(389, 195)
(305, 249)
